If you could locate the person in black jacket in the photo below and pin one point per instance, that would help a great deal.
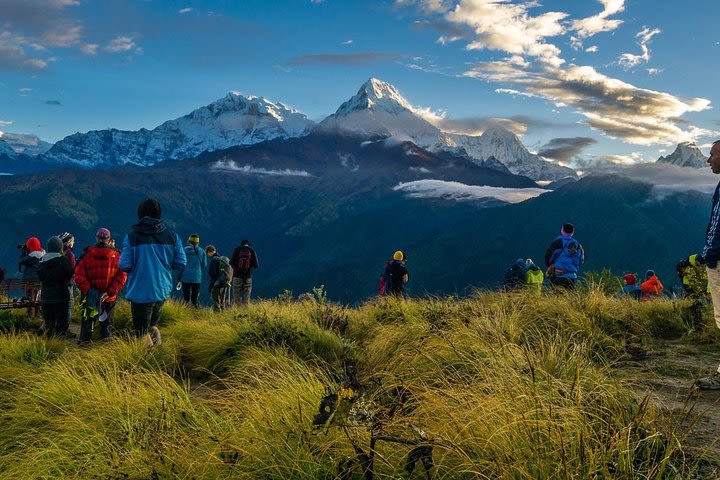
(55, 273)
(244, 260)
(709, 257)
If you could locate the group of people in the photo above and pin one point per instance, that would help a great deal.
(563, 259)
(151, 258)
(152, 253)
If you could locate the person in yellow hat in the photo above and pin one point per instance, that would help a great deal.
(191, 276)
(395, 276)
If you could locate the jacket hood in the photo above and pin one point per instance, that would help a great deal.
(37, 254)
(149, 226)
(50, 256)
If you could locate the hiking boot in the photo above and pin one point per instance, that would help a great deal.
(709, 383)
(155, 336)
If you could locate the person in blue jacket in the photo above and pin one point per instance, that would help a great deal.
(150, 253)
(191, 276)
(563, 258)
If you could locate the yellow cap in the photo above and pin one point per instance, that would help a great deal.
(693, 260)
(398, 255)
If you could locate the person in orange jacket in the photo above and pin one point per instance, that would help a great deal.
(652, 287)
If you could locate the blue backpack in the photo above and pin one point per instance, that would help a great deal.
(386, 281)
(566, 260)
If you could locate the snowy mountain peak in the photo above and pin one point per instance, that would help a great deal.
(6, 149)
(499, 134)
(227, 122)
(686, 154)
(26, 143)
(378, 96)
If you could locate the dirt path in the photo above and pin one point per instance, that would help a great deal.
(668, 376)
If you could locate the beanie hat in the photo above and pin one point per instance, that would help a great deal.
(245, 243)
(520, 262)
(568, 229)
(650, 273)
(33, 244)
(150, 208)
(103, 234)
(211, 248)
(65, 237)
(54, 245)
(399, 255)
(630, 279)
(194, 238)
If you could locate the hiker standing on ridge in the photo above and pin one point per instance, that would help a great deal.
(68, 243)
(243, 261)
(563, 258)
(30, 257)
(709, 257)
(99, 278)
(191, 276)
(221, 274)
(55, 273)
(395, 276)
(150, 253)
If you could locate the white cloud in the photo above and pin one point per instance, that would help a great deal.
(347, 42)
(231, 166)
(667, 178)
(123, 43)
(616, 108)
(89, 48)
(36, 63)
(576, 43)
(462, 192)
(185, 10)
(654, 71)
(589, 26)
(629, 60)
(24, 91)
(512, 91)
(5, 123)
(592, 49)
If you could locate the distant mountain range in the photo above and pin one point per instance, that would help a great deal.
(377, 110)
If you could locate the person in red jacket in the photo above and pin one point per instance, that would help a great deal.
(99, 278)
(651, 288)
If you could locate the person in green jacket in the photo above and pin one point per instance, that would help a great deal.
(534, 277)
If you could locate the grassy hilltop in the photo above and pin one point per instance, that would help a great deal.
(507, 386)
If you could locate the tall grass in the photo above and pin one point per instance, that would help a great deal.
(495, 386)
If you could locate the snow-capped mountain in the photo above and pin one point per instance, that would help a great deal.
(231, 121)
(507, 148)
(687, 154)
(6, 149)
(379, 109)
(26, 143)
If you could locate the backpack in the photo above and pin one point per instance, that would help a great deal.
(568, 258)
(386, 281)
(244, 262)
(225, 271)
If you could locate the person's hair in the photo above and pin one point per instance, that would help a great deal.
(211, 248)
(150, 208)
(568, 228)
(245, 243)
(716, 142)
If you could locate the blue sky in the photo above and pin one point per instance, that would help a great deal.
(556, 68)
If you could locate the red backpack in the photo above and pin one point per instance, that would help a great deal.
(244, 262)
